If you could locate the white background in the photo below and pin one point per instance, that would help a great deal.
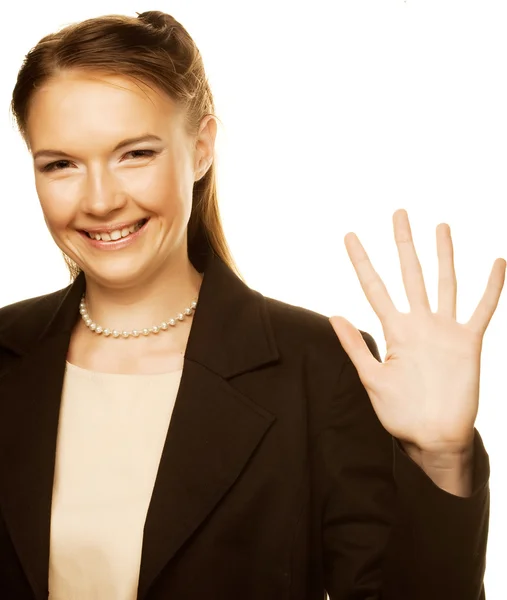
(335, 114)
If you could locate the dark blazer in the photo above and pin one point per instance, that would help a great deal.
(276, 482)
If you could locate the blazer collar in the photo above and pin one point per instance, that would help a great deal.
(214, 427)
(228, 312)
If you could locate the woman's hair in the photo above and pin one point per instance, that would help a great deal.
(156, 50)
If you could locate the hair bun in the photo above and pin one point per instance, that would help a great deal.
(157, 19)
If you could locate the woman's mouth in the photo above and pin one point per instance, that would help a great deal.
(118, 239)
(113, 236)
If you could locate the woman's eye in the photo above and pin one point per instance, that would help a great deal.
(142, 153)
(52, 166)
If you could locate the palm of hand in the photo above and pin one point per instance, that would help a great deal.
(426, 392)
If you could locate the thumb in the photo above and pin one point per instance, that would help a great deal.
(354, 345)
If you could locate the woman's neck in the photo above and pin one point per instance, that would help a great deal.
(144, 303)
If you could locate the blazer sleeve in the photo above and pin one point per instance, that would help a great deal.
(389, 532)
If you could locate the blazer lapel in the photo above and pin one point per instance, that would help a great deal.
(30, 394)
(213, 431)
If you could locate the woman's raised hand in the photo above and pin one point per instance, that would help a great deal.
(426, 392)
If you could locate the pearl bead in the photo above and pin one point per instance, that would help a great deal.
(88, 322)
(188, 311)
(125, 334)
(172, 322)
(164, 325)
(194, 304)
(146, 331)
(155, 329)
(180, 317)
(135, 333)
(98, 329)
(93, 326)
(107, 332)
(116, 333)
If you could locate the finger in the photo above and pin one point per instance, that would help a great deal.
(371, 283)
(411, 271)
(479, 321)
(353, 343)
(447, 285)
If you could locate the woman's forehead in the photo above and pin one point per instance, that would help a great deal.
(73, 84)
(105, 106)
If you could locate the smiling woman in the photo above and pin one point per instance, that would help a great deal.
(97, 183)
(168, 432)
(90, 101)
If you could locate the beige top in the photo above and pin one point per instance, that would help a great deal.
(111, 433)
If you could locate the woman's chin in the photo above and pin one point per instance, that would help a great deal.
(118, 273)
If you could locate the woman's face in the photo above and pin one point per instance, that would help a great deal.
(85, 181)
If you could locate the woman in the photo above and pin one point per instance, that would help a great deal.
(295, 461)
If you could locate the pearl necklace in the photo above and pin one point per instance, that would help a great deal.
(135, 332)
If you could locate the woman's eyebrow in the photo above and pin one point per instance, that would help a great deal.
(143, 138)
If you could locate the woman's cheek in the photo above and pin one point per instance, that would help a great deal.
(58, 211)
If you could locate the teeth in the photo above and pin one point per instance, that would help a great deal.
(116, 235)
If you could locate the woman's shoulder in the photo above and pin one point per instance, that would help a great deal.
(309, 329)
(31, 312)
(28, 306)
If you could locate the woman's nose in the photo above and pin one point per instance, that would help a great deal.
(102, 195)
